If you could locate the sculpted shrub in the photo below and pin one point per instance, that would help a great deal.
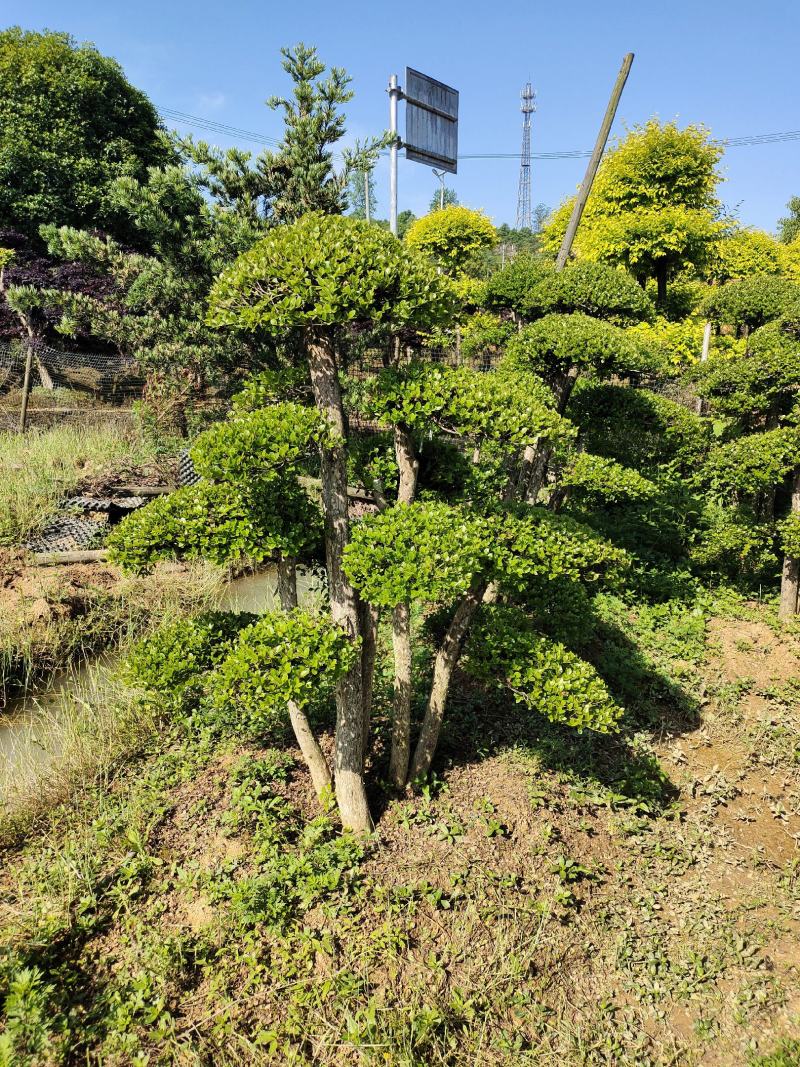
(542, 675)
(282, 658)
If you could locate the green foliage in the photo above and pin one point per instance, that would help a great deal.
(558, 342)
(761, 382)
(653, 205)
(423, 551)
(70, 124)
(789, 225)
(282, 657)
(178, 654)
(518, 287)
(746, 252)
(752, 301)
(600, 291)
(732, 542)
(752, 463)
(326, 271)
(789, 531)
(512, 407)
(531, 287)
(638, 428)
(606, 481)
(542, 675)
(484, 334)
(533, 543)
(267, 387)
(218, 523)
(452, 237)
(681, 342)
(260, 446)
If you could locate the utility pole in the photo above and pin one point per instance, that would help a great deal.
(440, 175)
(527, 107)
(394, 96)
(594, 162)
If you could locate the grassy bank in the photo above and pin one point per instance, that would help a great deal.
(548, 899)
(38, 468)
(53, 617)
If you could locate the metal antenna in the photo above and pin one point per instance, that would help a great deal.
(527, 107)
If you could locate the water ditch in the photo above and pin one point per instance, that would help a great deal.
(37, 726)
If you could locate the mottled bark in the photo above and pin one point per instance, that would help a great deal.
(541, 460)
(789, 605)
(309, 746)
(447, 658)
(407, 464)
(401, 709)
(370, 617)
(349, 757)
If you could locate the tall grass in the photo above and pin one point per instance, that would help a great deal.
(30, 654)
(38, 468)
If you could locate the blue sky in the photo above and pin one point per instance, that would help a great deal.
(726, 63)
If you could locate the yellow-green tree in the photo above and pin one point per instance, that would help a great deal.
(453, 237)
(747, 251)
(653, 208)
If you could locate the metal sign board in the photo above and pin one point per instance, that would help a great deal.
(431, 121)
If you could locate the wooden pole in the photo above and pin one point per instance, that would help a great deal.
(594, 162)
(699, 405)
(26, 387)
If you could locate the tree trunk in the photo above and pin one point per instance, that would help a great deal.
(401, 728)
(287, 582)
(446, 660)
(370, 617)
(309, 746)
(789, 605)
(349, 759)
(407, 464)
(541, 460)
(26, 386)
(661, 282)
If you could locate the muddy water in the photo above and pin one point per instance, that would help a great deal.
(37, 726)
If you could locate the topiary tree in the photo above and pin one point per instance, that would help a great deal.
(452, 237)
(753, 397)
(748, 303)
(467, 542)
(315, 276)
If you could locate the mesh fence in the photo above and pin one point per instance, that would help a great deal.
(65, 385)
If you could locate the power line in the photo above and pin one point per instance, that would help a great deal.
(575, 153)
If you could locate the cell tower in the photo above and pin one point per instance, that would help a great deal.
(527, 107)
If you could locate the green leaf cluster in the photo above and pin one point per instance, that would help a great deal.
(789, 531)
(531, 287)
(606, 481)
(752, 463)
(557, 342)
(324, 271)
(429, 552)
(542, 675)
(178, 654)
(262, 446)
(70, 124)
(534, 543)
(452, 237)
(218, 523)
(752, 301)
(512, 407)
(638, 428)
(282, 657)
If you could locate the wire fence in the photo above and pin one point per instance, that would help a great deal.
(65, 385)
